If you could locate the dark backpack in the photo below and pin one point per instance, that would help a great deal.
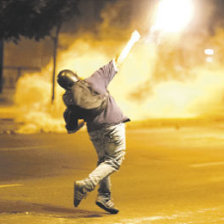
(83, 100)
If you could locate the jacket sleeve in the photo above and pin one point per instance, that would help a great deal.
(102, 77)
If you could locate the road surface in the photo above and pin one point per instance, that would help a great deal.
(170, 175)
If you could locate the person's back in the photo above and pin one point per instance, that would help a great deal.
(112, 114)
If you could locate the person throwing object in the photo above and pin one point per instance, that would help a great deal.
(88, 101)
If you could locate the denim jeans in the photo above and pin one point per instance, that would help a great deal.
(110, 145)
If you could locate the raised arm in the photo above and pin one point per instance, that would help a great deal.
(102, 77)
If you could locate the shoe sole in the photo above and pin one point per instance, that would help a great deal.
(111, 211)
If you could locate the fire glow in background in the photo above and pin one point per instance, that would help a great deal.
(171, 80)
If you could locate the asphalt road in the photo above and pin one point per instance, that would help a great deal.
(170, 175)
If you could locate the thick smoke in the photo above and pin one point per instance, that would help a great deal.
(172, 80)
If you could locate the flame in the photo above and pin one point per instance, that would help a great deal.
(173, 15)
(134, 38)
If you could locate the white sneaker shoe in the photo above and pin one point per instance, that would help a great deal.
(106, 204)
(79, 192)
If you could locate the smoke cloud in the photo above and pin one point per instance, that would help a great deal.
(172, 80)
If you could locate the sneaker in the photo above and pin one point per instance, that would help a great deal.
(79, 192)
(106, 204)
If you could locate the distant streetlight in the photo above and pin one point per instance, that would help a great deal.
(209, 52)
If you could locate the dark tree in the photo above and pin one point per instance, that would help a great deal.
(32, 19)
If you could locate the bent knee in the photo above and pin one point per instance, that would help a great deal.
(116, 160)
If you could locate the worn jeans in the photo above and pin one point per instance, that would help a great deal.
(110, 145)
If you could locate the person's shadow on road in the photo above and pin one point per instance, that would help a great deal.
(16, 207)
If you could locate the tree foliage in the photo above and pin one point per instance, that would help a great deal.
(33, 18)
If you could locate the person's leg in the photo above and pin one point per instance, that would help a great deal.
(99, 175)
(114, 155)
(110, 146)
(83, 186)
(105, 186)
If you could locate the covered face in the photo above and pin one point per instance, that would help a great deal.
(66, 78)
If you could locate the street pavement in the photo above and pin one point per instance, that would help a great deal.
(171, 174)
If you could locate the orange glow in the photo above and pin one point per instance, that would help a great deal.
(150, 84)
(173, 15)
